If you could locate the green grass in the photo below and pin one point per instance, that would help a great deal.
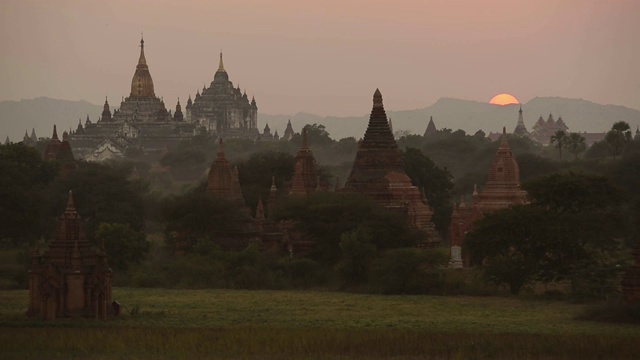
(285, 324)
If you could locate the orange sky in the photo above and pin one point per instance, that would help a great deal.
(325, 57)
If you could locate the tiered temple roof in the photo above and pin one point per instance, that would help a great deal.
(378, 172)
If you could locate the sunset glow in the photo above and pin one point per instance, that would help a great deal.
(504, 99)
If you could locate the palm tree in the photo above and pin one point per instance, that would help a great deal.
(560, 139)
(618, 137)
(576, 143)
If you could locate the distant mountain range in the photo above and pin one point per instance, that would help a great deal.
(580, 115)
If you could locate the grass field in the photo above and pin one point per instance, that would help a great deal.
(168, 324)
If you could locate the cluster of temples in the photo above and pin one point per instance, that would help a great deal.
(142, 123)
(378, 172)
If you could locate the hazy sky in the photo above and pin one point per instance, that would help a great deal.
(325, 57)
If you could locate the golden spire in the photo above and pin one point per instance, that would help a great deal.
(142, 60)
(221, 65)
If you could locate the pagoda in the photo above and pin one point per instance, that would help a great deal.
(60, 151)
(378, 172)
(142, 122)
(520, 129)
(224, 109)
(305, 176)
(70, 279)
(223, 180)
(501, 191)
(431, 128)
(288, 132)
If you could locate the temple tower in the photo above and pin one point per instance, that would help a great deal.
(501, 191)
(288, 132)
(223, 180)
(53, 147)
(106, 113)
(142, 84)
(520, 129)
(305, 176)
(378, 172)
(71, 279)
(431, 128)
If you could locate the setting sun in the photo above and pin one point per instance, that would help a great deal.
(504, 99)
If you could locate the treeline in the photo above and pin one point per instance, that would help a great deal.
(141, 210)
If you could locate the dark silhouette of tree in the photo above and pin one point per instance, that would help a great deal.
(576, 144)
(435, 182)
(560, 141)
(618, 137)
(570, 230)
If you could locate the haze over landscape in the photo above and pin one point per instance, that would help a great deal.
(326, 58)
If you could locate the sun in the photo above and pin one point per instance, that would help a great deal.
(504, 99)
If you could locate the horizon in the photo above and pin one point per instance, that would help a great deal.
(303, 58)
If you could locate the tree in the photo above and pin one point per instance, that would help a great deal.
(123, 245)
(24, 204)
(358, 253)
(103, 193)
(576, 144)
(256, 172)
(618, 137)
(559, 139)
(196, 217)
(326, 216)
(435, 182)
(570, 230)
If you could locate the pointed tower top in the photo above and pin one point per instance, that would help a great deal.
(462, 203)
(142, 60)
(377, 98)
(221, 64)
(70, 204)
(55, 133)
(260, 209)
(273, 184)
(504, 144)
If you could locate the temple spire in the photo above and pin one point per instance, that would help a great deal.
(221, 64)
(70, 204)
(55, 133)
(142, 60)
(377, 99)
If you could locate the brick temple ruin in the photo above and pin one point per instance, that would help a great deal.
(71, 279)
(378, 172)
(501, 191)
